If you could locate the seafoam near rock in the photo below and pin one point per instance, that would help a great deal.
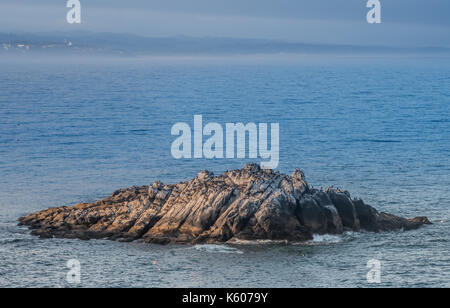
(246, 204)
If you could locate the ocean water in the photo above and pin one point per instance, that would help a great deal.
(75, 131)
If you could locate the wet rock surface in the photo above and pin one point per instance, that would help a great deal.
(246, 204)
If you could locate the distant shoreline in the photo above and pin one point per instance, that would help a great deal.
(128, 45)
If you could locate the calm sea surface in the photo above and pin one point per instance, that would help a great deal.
(75, 132)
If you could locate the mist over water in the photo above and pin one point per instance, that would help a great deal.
(75, 130)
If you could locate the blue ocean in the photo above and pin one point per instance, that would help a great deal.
(75, 130)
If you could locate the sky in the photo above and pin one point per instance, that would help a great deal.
(406, 23)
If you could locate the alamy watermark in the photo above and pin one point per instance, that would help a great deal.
(374, 274)
(233, 146)
(74, 14)
(73, 276)
(374, 15)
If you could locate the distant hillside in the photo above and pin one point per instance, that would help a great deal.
(127, 44)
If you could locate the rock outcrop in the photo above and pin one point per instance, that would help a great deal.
(247, 204)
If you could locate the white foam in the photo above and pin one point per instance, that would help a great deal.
(326, 239)
(255, 242)
(213, 248)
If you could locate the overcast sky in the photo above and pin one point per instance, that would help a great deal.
(404, 22)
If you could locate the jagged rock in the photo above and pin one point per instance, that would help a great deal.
(333, 220)
(367, 216)
(346, 209)
(311, 215)
(247, 204)
(420, 220)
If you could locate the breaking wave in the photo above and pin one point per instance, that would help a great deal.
(213, 248)
(255, 242)
(326, 239)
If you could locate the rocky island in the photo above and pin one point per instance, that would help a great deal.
(247, 204)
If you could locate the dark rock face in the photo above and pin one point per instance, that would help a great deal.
(247, 204)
